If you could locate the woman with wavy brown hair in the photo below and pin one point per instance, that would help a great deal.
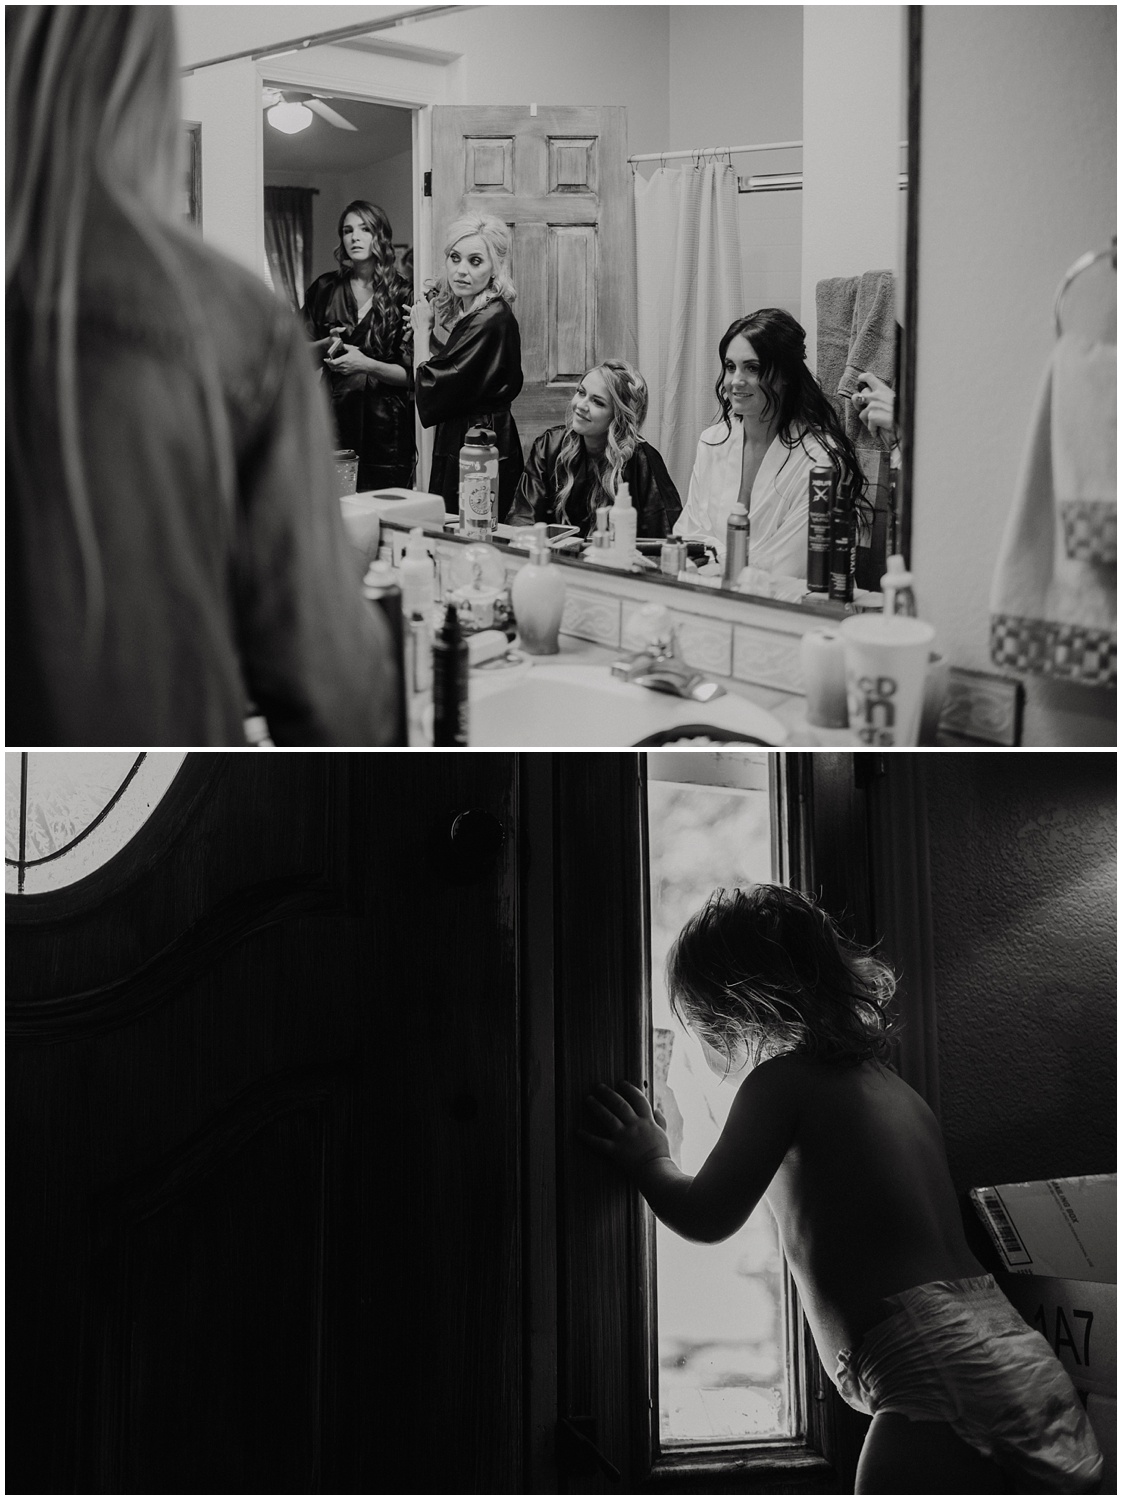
(358, 319)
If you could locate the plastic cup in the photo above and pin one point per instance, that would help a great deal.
(885, 669)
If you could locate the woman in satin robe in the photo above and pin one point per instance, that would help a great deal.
(579, 465)
(775, 426)
(358, 320)
(470, 380)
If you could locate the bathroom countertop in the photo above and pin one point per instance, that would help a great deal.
(788, 708)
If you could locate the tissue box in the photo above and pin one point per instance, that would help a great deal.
(1057, 1242)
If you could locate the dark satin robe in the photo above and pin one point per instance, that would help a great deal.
(656, 501)
(471, 383)
(373, 418)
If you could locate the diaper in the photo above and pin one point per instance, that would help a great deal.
(959, 1352)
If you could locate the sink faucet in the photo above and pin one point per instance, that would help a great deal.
(658, 664)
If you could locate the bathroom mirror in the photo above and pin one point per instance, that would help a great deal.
(820, 197)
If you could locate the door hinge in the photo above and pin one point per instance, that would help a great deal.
(427, 188)
(577, 1453)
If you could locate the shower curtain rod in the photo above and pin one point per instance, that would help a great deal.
(714, 151)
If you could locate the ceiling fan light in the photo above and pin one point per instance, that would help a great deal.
(289, 117)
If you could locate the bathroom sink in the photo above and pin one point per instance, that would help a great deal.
(587, 706)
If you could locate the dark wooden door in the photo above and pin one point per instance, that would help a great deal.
(559, 179)
(262, 1131)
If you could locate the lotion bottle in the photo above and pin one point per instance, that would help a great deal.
(418, 576)
(538, 597)
(896, 585)
(624, 527)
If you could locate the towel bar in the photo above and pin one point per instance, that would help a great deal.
(1076, 269)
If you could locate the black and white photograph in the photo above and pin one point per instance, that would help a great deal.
(619, 373)
(728, 1121)
(561, 749)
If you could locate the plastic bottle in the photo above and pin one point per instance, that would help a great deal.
(418, 576)
(624, 523)
(479, 484)
(896, 585)
(736, 546)
(450, 682)
(538, 597)
(380, 589)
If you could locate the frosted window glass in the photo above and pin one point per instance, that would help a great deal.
(68, 811)
(722, 1337)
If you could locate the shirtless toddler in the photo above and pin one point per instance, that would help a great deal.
(966, 1398)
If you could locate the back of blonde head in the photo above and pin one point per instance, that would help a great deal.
(92, 103)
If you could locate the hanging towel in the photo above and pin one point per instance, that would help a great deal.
(1051, 610)
(872, 347)
(834, 301)
(1085, 446)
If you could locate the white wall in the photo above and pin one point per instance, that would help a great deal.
(851, 122)
(736, 78)
(1018, 178)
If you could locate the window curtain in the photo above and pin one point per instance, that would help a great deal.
(688, 280)
(288, 241)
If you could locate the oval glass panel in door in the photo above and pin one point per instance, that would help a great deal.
(67, 812)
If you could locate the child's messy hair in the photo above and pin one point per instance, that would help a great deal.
(767, 970)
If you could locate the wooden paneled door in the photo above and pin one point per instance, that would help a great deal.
(263, 1121)
(559, 178)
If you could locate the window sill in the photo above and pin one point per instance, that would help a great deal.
(763, 1468)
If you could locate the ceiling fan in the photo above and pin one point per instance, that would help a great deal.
(288, 110)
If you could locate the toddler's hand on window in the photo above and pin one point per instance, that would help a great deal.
(629, 1133)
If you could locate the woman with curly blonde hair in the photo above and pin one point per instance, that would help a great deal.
(577, 466)
(470, 378)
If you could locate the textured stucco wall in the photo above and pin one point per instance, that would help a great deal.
(1023, 881)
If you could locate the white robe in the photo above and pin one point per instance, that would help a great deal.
(778, 512)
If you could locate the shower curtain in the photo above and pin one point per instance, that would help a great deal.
(688, 280)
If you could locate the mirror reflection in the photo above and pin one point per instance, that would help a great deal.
(663, 345)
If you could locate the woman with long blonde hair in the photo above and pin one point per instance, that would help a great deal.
(175, 548)
(358, 320)
(470, 378)
(578, 466)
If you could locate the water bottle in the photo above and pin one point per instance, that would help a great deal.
(479, 484)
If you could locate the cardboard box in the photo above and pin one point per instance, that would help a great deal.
(1079, 1319)
(1057, 1240)
(1063, 1226)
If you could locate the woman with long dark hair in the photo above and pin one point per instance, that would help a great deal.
(175, 546)
(579, 465)
(775, 426)
(358, 320)
(470, 378)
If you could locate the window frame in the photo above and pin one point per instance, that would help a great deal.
(193, 781)
(850, 829)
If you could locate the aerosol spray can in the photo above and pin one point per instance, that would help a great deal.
(736, 546)
(450, 682)
(843, 541)
(381, 589)
(823, 482)
(479, 484)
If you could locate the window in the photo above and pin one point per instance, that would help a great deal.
(68, 812)
(721, 1309)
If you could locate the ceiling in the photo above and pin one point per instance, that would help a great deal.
(381, 131)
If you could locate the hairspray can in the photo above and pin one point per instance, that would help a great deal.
(450, 682)
(823, 482)
(842, 541)
(382, 592)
